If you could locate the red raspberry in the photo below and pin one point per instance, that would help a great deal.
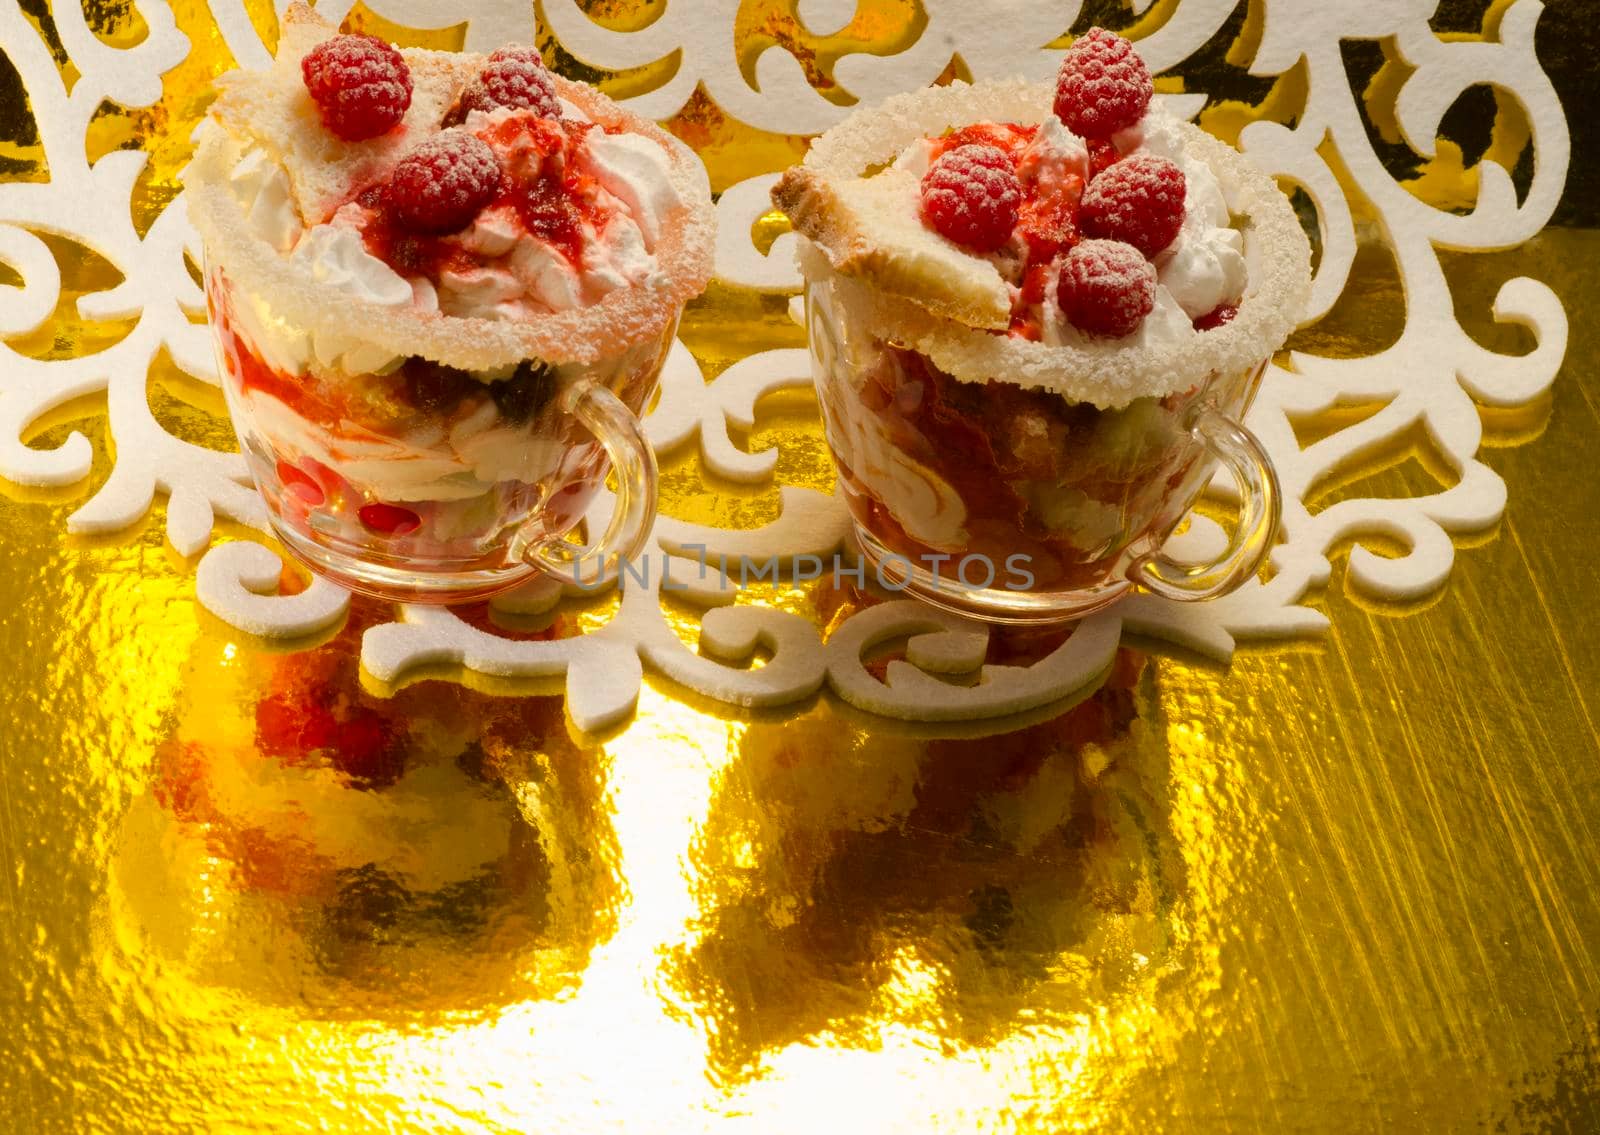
(1103, 85)
(389, 519)
(516, 77)
(441, 184)
(360, 84)
(971, 195)
(1106, 288)
(1138, 201)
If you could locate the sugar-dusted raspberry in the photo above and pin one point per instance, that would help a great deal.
(1138, 201)
(441, 184)
(517, 77)
(514, 77)
(1216, 317)
(360, 84)
(971, 195)
(1106, 288)
(1103, 85)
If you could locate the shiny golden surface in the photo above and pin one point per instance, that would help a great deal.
(1340, 885)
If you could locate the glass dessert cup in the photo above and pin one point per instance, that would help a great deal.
(1011, 445)
(418, 483)
(439, 311)
(1023, 506)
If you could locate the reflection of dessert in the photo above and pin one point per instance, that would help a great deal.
(411, 255)
(351, 851)
(856, 881)
(1018, 295)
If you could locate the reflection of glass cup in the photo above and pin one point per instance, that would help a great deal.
(855, 877)
(1023, 480)
(395, 474)
(307, 842)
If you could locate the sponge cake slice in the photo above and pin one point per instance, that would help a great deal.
(273, 108)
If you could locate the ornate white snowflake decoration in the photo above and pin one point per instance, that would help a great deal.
(1434, 376)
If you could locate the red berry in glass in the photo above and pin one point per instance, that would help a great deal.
(1103, 86)
(1106, 288)
(971, 195)
(360, 84)
(1138, 201)
(441, 184)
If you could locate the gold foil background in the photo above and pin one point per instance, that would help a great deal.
(1339, 885)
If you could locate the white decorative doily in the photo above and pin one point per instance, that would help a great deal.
(1434, 376)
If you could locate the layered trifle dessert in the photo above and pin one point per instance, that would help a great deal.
(1023, 300)
(413, 258)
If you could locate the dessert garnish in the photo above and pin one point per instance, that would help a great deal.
(513, 77)
(971, 195)
(1106, 287)
(976, 203)
(1137, 201)
(411, 255)
(1103, 86)
(360, 84)
(442, 184)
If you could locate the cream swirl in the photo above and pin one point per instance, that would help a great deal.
(334, 255)
(516, 273)
(928, 508)
(262, 187)
(634, 170)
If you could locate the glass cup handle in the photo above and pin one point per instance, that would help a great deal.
(622, 437)
(1260, 507)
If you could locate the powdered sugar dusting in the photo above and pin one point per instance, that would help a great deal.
(1106, 287)
(517, 77)
(1139, 200)
(441, 184)
(360, 84)
(1108, 373)
(621, 318)
(1103, 85)
(971, 195)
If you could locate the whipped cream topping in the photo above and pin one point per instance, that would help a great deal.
(262, 187)
(1167, 322)
(517, 273)
(508, 273)
(1203, 268)
(1053, 157)
(634, 169)
(333, 254)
